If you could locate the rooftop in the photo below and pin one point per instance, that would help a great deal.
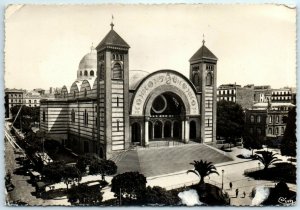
(112, 39)
(203, 53)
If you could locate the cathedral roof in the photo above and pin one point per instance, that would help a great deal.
(135, 77)
(89, 61)
(203, 53)
(112, 39)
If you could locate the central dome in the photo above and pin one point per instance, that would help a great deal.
(89, 61)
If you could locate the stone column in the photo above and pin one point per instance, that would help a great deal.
(187, 130)
(172, 127)
(163, 130)
(182, 130)
(146, 131)
(153, 130)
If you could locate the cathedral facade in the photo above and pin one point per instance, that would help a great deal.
(109, 108)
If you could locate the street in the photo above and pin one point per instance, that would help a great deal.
(23, 190)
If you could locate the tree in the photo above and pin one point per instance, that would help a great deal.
(250, 142)
(128, 185)
(203, 169)
(26, 118)
(230, 120)
(288, 143)
(70, 175)
(85, 195)
(157, 195)
(53, 171)
(84, 161)
(267, 158)
(103, 167)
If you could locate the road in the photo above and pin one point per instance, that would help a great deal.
(23, 190)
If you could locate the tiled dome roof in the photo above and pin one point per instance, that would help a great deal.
(89, 61)
(135, 77)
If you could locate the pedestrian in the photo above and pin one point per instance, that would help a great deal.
(230, 185)
(236, 192)
(244, 193)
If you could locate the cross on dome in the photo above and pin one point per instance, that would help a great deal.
(112, 22)
(92, 47)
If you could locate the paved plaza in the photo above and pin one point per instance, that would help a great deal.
(164, 160)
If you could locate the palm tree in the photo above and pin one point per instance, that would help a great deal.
(267, 158)
(203, 169)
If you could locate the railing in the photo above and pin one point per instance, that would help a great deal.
(187, 184)
(250, 170)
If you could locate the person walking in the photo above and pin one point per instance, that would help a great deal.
(244, 193)
(236, 192)
(230, 185)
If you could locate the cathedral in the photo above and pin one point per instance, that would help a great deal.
(109, 108)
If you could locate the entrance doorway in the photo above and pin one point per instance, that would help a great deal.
(136, 132)
(167, 129)
(176, 129)
(193, 134)
(158, 129)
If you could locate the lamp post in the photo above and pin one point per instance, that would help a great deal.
(222, 178)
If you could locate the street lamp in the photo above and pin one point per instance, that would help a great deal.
(222, 178)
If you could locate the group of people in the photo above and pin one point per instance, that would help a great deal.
(236, 191)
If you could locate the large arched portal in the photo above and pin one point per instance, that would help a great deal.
(167, 109)
(163, 102)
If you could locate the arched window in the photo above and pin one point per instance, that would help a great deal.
(85, 73)
(270, 130)
(117, 71)
(80, 73)
(270, 119)
(258, 118)
(73, 116)
(208, 79)
(85, 117)
(44, 116)
(258, 131)
(101, 72)
(251, 130)
(74, 94)
(91, 73)
(277, 119)
(85, 92)
(196, 79)
(252, 118)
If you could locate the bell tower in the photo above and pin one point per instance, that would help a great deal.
(112, 94)
(203, 74)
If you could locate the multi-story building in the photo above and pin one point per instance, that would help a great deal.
(267, 120)
(235, 93)
(13, 97)
(282, 95)
(32, 99)
(262, 93)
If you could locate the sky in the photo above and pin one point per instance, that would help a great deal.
(255, 44)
